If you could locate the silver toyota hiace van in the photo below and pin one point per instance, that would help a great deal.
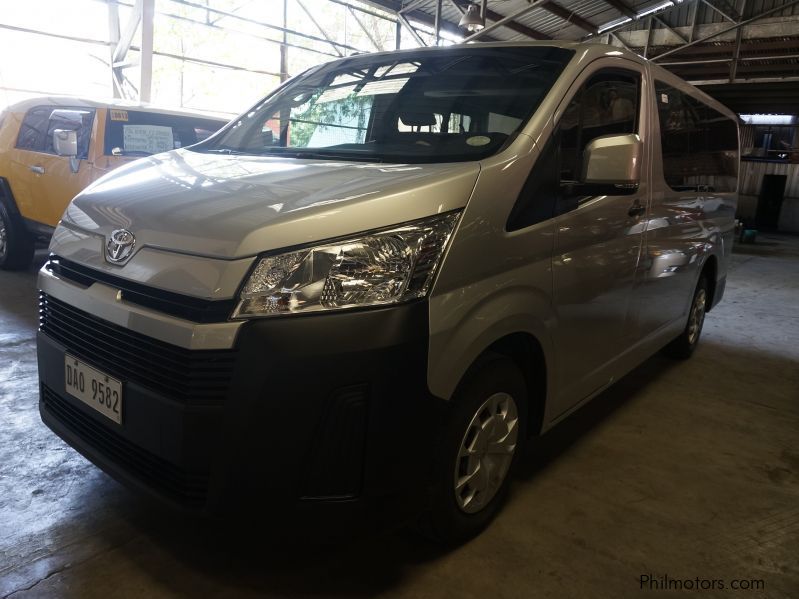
(360, 298)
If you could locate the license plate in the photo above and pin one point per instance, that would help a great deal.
(93, 387)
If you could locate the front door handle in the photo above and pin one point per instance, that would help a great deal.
(637, 209)
(39, 170)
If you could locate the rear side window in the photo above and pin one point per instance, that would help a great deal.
(36, 131)
(139, 133)
(698, 143)
(33, 131)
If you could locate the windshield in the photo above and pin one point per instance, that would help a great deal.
(140, 133)
(431, 106)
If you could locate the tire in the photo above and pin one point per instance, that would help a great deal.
(462, 505)
(16, 244)
(684, 346)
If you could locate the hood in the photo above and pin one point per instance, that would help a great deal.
(230, 207)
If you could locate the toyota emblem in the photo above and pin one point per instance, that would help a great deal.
(119, 246)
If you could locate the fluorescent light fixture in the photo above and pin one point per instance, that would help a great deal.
(614, 23)
(655, 8)
(769, 119)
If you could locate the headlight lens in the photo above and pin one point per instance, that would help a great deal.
(385, 267)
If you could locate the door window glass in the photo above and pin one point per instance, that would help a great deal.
(607, 104)
(36, 131)
(73, 119)
(33, 131)
(699, 144)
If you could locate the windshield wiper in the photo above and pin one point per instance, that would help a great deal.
(322, 155)
(228, 151)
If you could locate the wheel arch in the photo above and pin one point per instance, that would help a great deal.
(527, 353)
(7, 197)
(710, 270)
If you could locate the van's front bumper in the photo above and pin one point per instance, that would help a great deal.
(327, 415)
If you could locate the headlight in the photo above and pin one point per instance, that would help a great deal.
(384, 267)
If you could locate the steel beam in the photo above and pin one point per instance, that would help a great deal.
(437, 26)
(401, 18)
(146, 52)
(416, 15)
(113, 38)
(375, 42)
(737, 52)
(622, 8)
(569, 16)
(727, 29)
(671, 29)
(126, 37)
(721, 12)
(692, 30)
(504, 21)
(321, 29)
(512, 25)
(723, 60)
(409, 7)
(261, 23)
(621, 41)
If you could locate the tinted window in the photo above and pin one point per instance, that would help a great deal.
(699, 144)
(36, 131)
(33, 131)
(449, 105)
(138, 133)
(607, 104)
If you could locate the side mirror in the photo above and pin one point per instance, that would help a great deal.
(65, 142)
(613, 160)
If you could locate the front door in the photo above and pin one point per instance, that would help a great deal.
(43, 183)
(598, 239)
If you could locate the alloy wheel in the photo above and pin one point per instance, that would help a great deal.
(697, 317)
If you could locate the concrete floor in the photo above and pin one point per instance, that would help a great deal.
(685, 469)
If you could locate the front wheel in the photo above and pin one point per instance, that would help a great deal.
(482, 438)
(16, 244)
(684, 346)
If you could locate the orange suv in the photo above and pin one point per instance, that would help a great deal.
(51, 148)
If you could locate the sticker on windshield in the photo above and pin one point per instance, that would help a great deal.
(119, 115)
(478, 140)
(151, 139)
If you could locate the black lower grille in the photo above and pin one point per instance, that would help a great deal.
(190, 376)
(185, 487)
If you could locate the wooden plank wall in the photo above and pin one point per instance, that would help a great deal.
(752, 177)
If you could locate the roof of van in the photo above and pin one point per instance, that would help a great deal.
(76, 102)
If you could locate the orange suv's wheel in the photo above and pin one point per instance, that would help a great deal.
(16, 244)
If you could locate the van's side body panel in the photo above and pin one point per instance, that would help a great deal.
(616, 288)
(685, 229)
